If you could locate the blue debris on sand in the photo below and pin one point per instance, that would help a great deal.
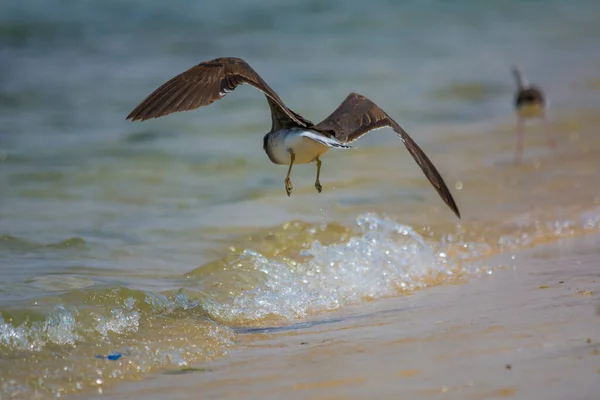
(113, 356)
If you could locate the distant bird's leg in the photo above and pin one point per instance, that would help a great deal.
(317, 183)
(288, 181)
(519, 149)
(549, 137)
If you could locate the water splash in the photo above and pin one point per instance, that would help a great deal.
(58, 328)
(385, 257)
(64, 351)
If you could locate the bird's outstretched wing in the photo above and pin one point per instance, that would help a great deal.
(357, 116)
(204, 84)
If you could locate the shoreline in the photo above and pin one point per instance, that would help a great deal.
(528, 330)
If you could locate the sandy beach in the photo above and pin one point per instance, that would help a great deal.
(529, 330)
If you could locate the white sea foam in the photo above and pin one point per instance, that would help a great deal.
(384, 257)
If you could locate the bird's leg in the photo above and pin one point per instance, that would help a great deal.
(317, 183)
(288, 181)
(549, 137)
(519, 149)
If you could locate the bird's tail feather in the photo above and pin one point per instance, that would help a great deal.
(327, 141)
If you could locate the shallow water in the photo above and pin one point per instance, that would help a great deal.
(527, 331)
(161, 240)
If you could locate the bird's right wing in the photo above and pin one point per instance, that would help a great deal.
(357, 116)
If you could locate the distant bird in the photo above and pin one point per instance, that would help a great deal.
(292, 139)
(530, 102)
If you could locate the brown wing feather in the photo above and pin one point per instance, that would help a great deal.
(204, 84)
(358, 115)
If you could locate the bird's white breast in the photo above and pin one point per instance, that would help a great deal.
(305, 149)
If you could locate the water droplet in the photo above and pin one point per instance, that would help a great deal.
(458, 185)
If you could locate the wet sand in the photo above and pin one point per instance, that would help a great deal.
(530, 329)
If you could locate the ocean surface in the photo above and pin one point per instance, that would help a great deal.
(159, 243)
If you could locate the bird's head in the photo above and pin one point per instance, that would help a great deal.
(517, 72)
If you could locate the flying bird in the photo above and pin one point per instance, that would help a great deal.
(530, 102)
(292, 139)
